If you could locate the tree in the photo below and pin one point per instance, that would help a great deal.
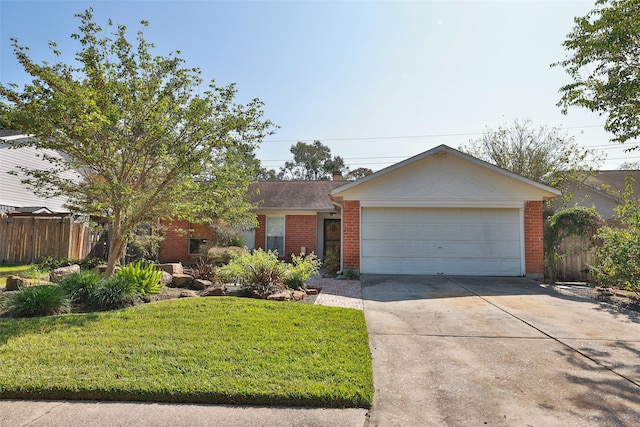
(359, 173)
(604, 64)
(147, 144)
(546, 155)
(311, 162)
(629, 166)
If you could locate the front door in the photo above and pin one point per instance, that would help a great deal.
(331, 237)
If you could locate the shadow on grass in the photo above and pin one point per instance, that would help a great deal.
(15, 327)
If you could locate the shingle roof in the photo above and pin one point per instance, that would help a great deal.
(296, 195)
(614, 179)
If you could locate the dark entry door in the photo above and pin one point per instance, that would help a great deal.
(331, 236)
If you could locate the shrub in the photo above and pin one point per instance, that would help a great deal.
(79, 286)
(618, 249)
(332, 262)
(203, 270)
(144, 276)
(36, 273)
(114, 292)
(260, 272)
(221, 255)
(37, 301)
(301, 269)
(49, 263)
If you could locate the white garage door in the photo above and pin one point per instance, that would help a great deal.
(441, 241)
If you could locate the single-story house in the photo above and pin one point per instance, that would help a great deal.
(15, 196)
(602, 190)
(440, 212)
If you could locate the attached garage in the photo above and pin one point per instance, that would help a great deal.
(441, 241)
(443, 212)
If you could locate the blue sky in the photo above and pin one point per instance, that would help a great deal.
(375, 81)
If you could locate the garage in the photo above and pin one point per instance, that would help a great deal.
(456, 241)
(443, 212)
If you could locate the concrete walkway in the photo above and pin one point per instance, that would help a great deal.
(338, 293)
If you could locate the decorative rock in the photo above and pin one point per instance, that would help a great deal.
(180, 280)
(214, 291)
(171, 268)
(187, 293)
(299, 295)
(61, 272)
(166, 278)
(312, 291)
(281, 296)
(15, 283)
(102, 268)
(200, 284)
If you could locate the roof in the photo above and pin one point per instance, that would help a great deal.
(605, 181)
(294, 195)
(552, 192)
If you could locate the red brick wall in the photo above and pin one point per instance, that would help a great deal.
(300, 230)
(175, 246)
(533, 238)
(261, 232)
(351, 235)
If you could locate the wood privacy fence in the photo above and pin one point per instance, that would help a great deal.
(27, 239)
(573, 267)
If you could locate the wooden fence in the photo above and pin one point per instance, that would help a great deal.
(573, 267)
(27, 239)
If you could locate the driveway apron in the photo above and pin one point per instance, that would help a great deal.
(498, 351)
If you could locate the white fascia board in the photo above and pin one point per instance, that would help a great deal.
(443, 203)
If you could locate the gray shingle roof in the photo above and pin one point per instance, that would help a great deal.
(296, 195)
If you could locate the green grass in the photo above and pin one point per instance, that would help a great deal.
(205, 350)
(11, 269)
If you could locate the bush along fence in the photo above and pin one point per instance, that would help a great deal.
(28, 239)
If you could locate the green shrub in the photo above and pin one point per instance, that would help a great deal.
(618, 249)
(50, 263)
(332, 262)
(301, 269)
(221, 255)
(114, 292)
(260, 272)
(79, 286)
(40, 300)
(35, 273)
(144, 276)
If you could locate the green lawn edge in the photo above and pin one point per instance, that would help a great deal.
(193, 350)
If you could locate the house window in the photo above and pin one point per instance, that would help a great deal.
(275, 234)
(197, 237)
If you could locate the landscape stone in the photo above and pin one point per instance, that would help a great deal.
(171, 268)
(181, 280)
(299, 295)
(187, 293)
(312, 291)
(200, 284)
(166, 278)
(61, 272)
(214, 291)
(15, 283)
(281, 296)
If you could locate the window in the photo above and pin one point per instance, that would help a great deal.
(197, 237)
(275, 235)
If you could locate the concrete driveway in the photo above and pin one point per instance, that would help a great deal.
(498, 351)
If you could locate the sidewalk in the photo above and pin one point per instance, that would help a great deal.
(338, 293)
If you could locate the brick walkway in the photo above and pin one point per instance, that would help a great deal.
(338, 293)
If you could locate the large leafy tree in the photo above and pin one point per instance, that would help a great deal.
(603, 61)
(543, 154)
(146, 140)
(311, 162)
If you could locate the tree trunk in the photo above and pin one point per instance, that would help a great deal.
(118, 244)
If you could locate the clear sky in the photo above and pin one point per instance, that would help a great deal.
(375, 81)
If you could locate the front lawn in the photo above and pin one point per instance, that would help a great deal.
(205, 350)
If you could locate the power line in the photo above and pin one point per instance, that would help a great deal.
(443, 135)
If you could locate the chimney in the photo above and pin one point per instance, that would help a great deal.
(337, 176)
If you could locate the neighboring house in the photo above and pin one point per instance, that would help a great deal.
(13, 194)
(602, 191)
(440, 212)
